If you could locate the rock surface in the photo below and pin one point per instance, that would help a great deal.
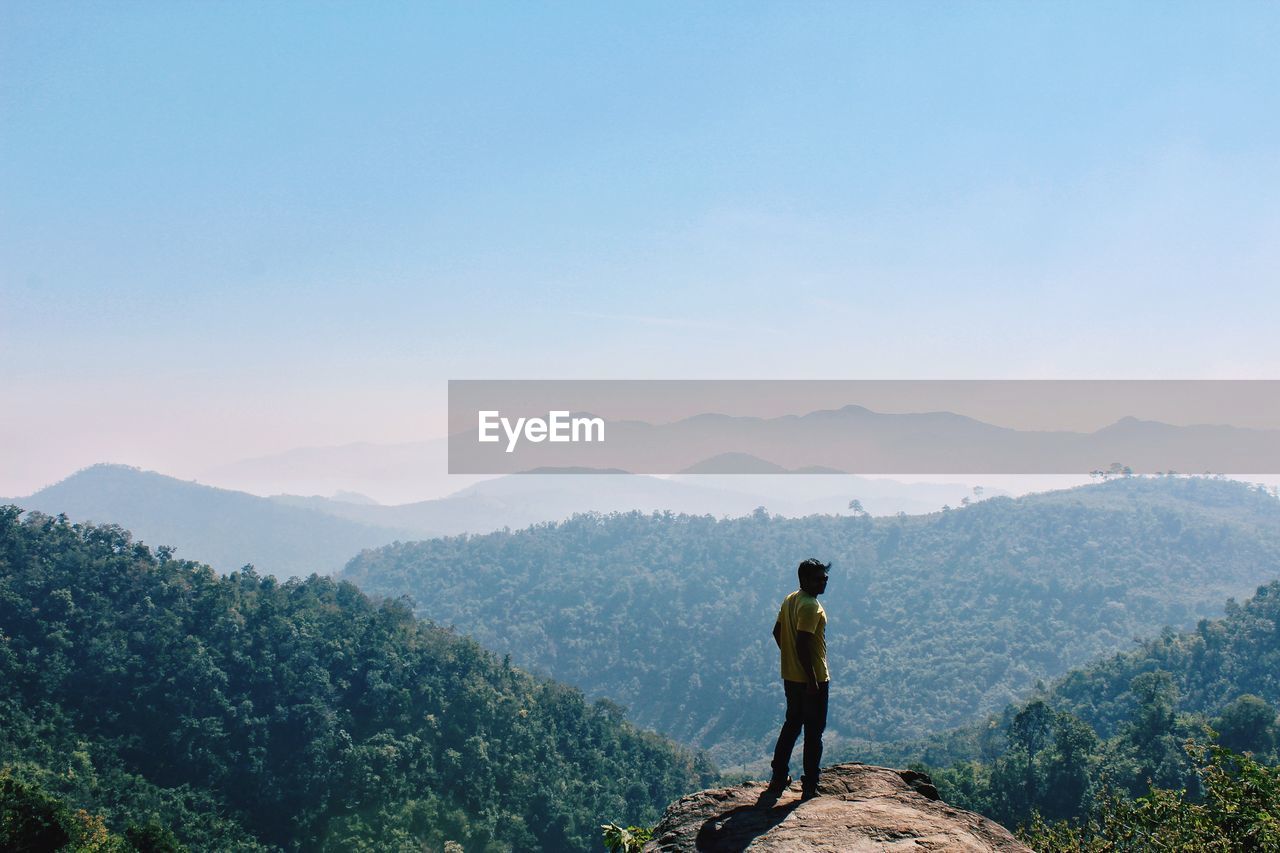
(859, 808)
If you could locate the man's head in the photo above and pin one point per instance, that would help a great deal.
(813, 576)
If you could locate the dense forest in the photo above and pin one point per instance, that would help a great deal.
(933, 620)
(1094, 743)
(149, 703)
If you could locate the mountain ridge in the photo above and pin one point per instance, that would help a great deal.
(956, 611)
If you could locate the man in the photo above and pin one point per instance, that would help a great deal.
(800, 633)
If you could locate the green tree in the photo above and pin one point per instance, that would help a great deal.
(1240, 811)
(30, 818)
(1247, 724)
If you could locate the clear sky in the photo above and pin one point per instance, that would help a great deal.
(228, 229)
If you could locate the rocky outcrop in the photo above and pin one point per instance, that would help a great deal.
(858, 808)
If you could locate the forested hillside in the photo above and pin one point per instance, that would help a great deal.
(1121, 724)
(933, 619)
(146, 697)
(292, 535)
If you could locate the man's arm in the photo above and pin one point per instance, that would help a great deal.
(777, 633)
(804, 651)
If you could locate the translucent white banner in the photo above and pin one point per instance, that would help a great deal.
(864, 426)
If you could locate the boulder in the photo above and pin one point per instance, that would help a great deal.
(859, 808)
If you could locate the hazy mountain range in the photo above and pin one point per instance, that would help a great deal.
(856, 439)
(223, 528)
(417, 471)
(297, 535)
(933, 618)
(389, 473)
(838, 440)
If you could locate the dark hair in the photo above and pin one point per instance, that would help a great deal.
(811, 568)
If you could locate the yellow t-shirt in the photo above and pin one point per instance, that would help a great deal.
(802, 612)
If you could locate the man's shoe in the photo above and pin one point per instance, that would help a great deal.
(778, 784)
(808, 794)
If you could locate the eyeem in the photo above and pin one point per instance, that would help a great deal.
(557, 427)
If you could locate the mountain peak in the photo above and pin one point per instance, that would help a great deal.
(734, 463)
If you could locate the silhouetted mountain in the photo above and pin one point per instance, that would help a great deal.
(225, 528)
(854, 438)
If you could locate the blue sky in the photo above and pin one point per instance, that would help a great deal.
(233, 228)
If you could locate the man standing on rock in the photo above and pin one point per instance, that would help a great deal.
(800, 633)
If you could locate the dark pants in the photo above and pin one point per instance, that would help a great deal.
(806, 711)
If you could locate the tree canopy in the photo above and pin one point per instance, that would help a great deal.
(238, 712)
(933, 620)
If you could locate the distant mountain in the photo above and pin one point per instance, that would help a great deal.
(226, 529)
(293, 535)
(934, 619)
(575, 470)
(389, 473)
(803, 492)
(854, 438)
(745, 463)
(519, 500)
(413, 473)
(353, 498)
